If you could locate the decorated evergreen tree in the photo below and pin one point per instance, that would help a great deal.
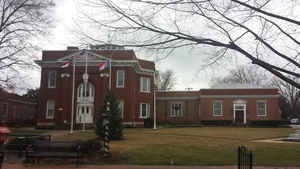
(113, 115)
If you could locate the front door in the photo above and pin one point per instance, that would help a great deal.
(239, 116)
(239, 110)
(84, 114)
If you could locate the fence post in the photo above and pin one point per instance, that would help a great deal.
(1, 159)
(251, 160)
(239, 157)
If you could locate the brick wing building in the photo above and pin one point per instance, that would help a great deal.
(132, 80)
(17, 110)
(238, 105)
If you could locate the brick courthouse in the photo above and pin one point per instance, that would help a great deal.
(132, 80)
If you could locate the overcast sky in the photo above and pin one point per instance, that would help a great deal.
(187, 64)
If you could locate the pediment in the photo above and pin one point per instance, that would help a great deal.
(81, 57)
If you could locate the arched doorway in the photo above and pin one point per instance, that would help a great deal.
(85, 103)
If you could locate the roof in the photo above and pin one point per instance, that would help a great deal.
(52, 55)
(177, 93)
(248, 91)
(217, 92)
(4, 95)
(147, 64)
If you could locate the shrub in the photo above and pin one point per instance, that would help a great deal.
(217, 122)
(114, 117)
(271, 123)
(148, 123)
(91, 146)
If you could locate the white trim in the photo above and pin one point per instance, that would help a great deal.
(171, 110)
(147, 110)
(244, 104)
(46, 115)
(240, 96)
(148, 84)
(261, 101)
(49, 75)
(178, 98)
(117, 85)
(217, 101)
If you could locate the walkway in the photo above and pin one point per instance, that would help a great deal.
(20, 166)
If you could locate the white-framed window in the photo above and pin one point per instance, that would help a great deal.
(50, 109)
(121, 107)
(261, 108)
(120, 78)
(176, 110)
(52, 79)
(86, 90)
(217, 108)
(144, 110)
(145, 84)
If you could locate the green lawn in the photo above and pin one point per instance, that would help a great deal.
(201, 146)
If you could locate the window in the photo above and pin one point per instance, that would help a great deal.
(120, 78)
(121, 107)
(52, 79)
(145, 84)
(261, 108)
(86, 90)
(5, 110)
(144, 110)
(50, 109)
(217, 108)
(176, 110)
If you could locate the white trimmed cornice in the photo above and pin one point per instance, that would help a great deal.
(215, 97)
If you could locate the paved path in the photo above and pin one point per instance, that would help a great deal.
(20, 166)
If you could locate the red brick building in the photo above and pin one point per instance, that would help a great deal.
(132, 80)
(17, 110)
(239, 105)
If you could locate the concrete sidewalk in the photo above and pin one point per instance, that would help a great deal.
(21, 166)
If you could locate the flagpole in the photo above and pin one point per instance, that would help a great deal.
(109, 74)
(73, 93)
(85, 87)
(154, 97)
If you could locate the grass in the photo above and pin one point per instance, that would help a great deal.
(200, 146)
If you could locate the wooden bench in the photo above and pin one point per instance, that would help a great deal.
(56, 150)
(19, 143)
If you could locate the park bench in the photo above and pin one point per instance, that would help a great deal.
(55, 150)
(19, 143)
(1, 159)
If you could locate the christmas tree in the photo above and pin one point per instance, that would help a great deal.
(114, 117)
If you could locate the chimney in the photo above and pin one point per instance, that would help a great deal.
(72, 48)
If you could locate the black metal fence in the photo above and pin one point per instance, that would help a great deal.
(1, 159)
(244, 158)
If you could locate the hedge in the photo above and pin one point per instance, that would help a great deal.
(217, 122)
(273, 123)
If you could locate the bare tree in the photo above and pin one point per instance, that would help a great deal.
(21, 23)
(167, 80)
(247, 76)
(289, 92)
(265, 31)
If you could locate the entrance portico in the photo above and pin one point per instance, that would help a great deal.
(239, 112)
